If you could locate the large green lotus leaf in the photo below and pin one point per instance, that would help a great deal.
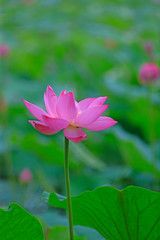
(18, 224)
(129, 214)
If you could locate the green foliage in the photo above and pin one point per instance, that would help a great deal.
(59, 233)
(94, 48)
(94, 52)
(132, 213)
(18, 224)
(135, 152)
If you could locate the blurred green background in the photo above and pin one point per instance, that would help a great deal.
(94, 48)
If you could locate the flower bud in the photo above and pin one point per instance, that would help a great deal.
(110, 43)
(3, 105)
(4, 50)
(25, 176)
(148, 47)
(149, 72)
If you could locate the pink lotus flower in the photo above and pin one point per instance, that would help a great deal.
(149, 72)
(4, 50)
(64, 112)
(25, 176)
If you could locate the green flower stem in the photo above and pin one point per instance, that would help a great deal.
(67, 180)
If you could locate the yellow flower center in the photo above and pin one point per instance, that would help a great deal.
(79, 113)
